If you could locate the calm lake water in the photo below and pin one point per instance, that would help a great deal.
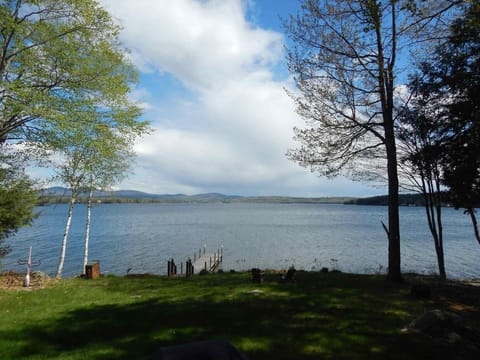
(144, 236)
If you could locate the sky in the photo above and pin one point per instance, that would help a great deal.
(213, 80)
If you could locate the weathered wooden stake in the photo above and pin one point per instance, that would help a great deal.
(171, 268)
(189, 268)
(26, 282)
(28, 262)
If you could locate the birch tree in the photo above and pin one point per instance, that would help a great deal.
(345, 61)
(93, 157)
(106, 167)
(60, 59)
(72, 175)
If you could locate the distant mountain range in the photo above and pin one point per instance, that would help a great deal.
(61, 194)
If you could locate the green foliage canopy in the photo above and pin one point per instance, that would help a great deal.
(440, 130)
(59, 59)
(64, 81)
(18, 198)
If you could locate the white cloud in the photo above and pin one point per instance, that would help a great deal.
(229, 132)
(203, 43)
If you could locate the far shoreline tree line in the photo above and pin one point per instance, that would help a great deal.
(389, 91)
(409, 199)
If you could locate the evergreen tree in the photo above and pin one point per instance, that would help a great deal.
(452, 81)
(18, 198)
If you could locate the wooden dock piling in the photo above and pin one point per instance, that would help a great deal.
(172, 268)
(208, 262)
(202, 261)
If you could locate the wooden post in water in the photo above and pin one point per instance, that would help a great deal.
(189, 268)
(171, 268)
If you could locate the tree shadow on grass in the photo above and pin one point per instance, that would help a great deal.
(302, 320)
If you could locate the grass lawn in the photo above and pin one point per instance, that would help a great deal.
(318, 316)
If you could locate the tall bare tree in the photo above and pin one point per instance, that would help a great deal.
(420, 164)
(345, 58)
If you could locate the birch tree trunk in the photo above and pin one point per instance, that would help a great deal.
(87, 230)
(61, 260)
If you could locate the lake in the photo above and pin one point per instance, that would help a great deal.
(143, 237)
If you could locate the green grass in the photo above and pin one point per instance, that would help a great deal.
(318, 316)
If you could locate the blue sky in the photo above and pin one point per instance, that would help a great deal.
(212, 84)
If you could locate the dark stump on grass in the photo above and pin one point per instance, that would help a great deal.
(257, 275)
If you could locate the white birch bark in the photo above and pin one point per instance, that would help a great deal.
(87, 230)
(61, 261)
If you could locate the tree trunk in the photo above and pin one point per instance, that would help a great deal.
(433, 208)
(438, 239)
(438, 208)
(65, 237)
(471, 211)
(394, 256)
(87, 230)
(394, 264)
(437, 234)
(386, 88)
